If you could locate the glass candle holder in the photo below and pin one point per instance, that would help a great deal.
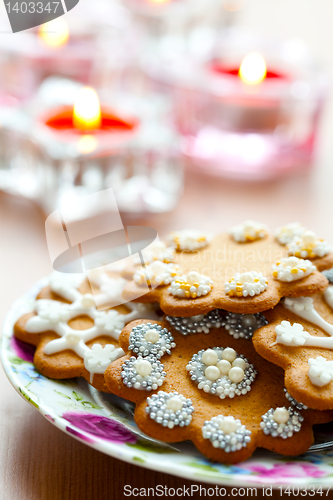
(136, 153)
(88, 44)
(245, 130)
(181, 25)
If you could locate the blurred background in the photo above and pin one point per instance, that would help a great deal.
(197, 113)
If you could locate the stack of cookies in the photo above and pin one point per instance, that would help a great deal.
(241, 357)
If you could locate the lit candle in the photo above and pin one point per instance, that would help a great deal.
(54, 33)
(87, 111)
(245, 115)
(87, 116)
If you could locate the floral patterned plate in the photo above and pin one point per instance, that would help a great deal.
(106, 423)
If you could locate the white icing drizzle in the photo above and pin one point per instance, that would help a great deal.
(304, 308)
(98, 358)
(320, 371)
(295, 336)
(328, 295)
(66, 286)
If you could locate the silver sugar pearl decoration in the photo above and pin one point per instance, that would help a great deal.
(157, 409)
(293, 402)
(201, 323)
(282, 430)
(140, 346)
(242, 326)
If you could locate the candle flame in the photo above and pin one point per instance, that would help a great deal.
(54, 33)
(87, 111)
(253, 69)
(87, 144)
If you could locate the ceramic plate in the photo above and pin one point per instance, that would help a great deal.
(105, 422)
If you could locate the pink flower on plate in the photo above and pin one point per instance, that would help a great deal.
(99, 426)
(285, 470)
(22, 349)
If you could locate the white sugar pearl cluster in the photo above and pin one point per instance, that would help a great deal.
(308, 246)
(191, 285)
(189, 240)
(222, 372)
(143, 373)
(286, 234)
(150, 338)
(156, 251)
(202, 323)
(242, 326)
(170, 409)
(292, 269)
(246, 284)
(226, 433)
(293, 402)
(248, 231)
(281, 422)
(156, 274)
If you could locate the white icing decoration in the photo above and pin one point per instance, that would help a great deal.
(308, 246)
(304, 308)
(54, 316)
(111, 289)
(66, 285)
(285, 234)
(189, 240)
(156, 274)
(156, 251)
(328, 295)
(191, 285)
(98, 358)
(320, 371)
(293, 335)
(292, 269)
(246, 284)
(248, 231)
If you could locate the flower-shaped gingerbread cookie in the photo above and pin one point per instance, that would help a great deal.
(234, 275)
(73, 338)
(211, 389)
(299, 338)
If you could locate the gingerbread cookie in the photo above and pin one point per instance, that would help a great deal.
(299, 339)
(73, 338)
(212, 389)
(244, 271)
